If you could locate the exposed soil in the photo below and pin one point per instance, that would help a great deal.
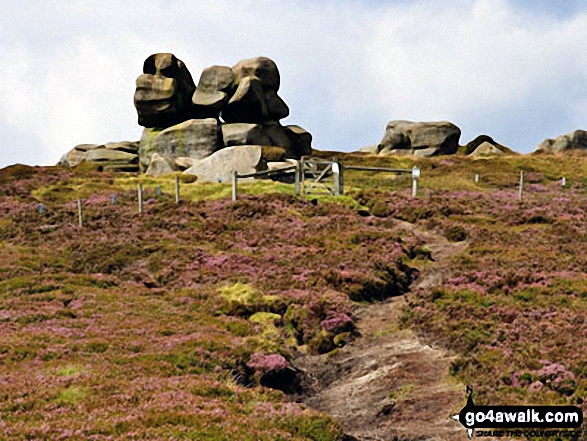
(390, 384)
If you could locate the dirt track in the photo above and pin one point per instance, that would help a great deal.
(389, 384)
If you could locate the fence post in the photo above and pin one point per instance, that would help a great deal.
(303, 178)
(476, 178)
(177, 189)
(140, 194)
(79, 213)
(336, 172)
(234, 185)
(563, 182)
(521, 193)
(297, 178)
(415, 178)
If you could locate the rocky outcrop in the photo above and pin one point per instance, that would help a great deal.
(420, 138)
(221, 166)
(484, 145)
(113, 156)
(576, 140)
(231, 107)
(164, 91)
(245, 96)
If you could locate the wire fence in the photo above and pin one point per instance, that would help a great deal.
(308, 179)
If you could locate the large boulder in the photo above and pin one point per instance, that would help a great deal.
(113, 156)
(216, 87)
(244, 134)
(221, 166)
(435, 138)
(76, 155)
(255, 99)
(163, 95)
(576, 140)
(301, 140)
(295, 141)
(195, 138)
(472, 146)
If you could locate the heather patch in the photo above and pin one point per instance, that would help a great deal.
(148, 326)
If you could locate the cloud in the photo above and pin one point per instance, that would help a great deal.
(348, 67)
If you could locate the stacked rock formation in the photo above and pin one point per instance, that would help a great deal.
(164, 92)
(418, 139)
(231, 107)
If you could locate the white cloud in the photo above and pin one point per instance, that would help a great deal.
(347, 67)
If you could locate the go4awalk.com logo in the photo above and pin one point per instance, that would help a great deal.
(563, 422)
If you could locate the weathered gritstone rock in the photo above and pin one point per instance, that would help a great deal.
(113, 156)
(163, 96)
(420, 138)
(295, 141)
(183, 163)
(181, 120)
(487, 149)
(216, 86)
(244, 134)
(256, 99)
(374, 149)
(472, 146)
(301, 138)
(576, 140)
(76, 155)
(160, 165)
(220, 166)
(195, 138)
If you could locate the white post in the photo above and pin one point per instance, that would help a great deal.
(79, 213)
(234, 185)
(415, 178)
(476, 178)
(140, 193)
(521, 194)
(564, 181)
(337, 177)
(177, 189)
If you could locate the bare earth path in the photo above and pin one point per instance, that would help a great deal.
(389, 384)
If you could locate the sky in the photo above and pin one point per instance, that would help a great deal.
(512, 69)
